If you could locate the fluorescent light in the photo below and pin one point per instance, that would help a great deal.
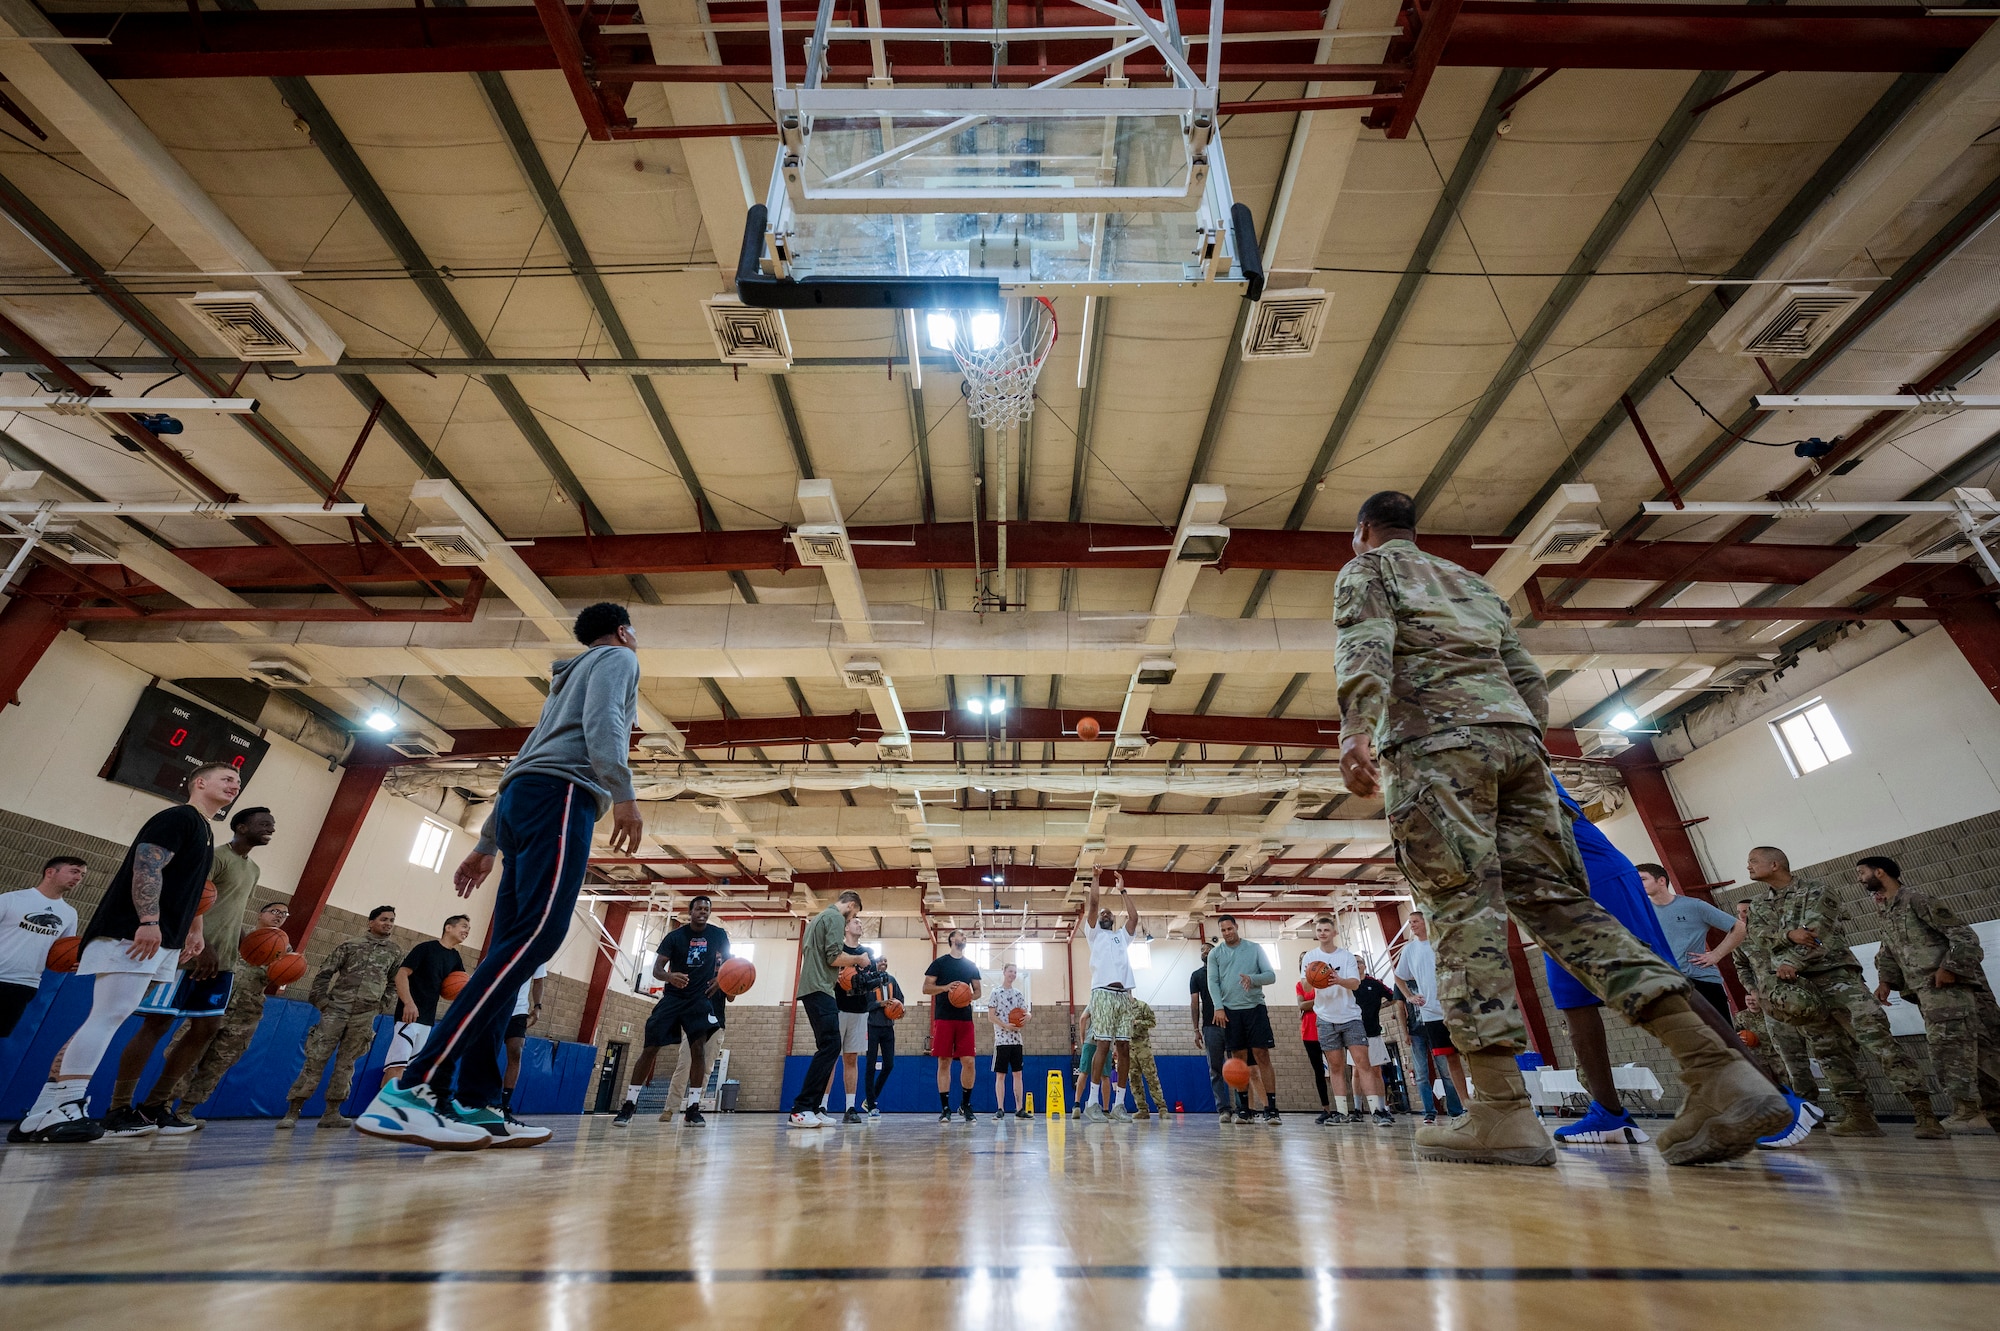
(381, 721)
(1028, 954)
(1140, 955)
(977, 706)
(942, 329)
(1624, 720)
(985, 330)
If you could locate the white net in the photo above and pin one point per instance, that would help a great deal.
(1000, 374)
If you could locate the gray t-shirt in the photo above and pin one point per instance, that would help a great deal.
(1686, 921)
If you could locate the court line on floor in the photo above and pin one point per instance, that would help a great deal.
(874, 1274)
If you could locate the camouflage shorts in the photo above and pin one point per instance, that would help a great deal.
(1110, 1014)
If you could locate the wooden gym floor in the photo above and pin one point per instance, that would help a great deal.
(908, 1224)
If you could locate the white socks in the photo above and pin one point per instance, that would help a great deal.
(694, 1095)
(632, 1094)
(1340, 1103)
(1375, 1103)
(58, 1093)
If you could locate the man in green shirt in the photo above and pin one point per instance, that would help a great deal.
(822, 956)
(1238, 972)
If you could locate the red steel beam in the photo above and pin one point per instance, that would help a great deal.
(338, 833)
(600, 971)
(1974, 625)
(1653, 800)
(28, 627)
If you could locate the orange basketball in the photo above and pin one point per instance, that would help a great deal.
(1319, 975)
(207, 898)
(735, 976)
(1237, 1073)
(452, 984)
(1018, 1018)
(261, 947)
(846, 981)
(62, 955)
(1749, 1039)
(959, 992)
(288, 967)
(1087, 728)
(893, 1010)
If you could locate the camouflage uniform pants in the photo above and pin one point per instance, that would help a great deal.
(343, 1037)
(1146, 1073)
(1840, 1017)
(232, 1037)
(1781, 1052)
(1962, 1023)
(1481, 835)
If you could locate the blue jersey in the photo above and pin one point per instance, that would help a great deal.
(1614, 885)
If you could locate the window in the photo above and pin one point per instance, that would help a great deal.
(1271, 957)
(873, 947)
(1809, 738)
(745, 950)
(1140, 955)
(432, 845)
(980, 954)
(1028, 955)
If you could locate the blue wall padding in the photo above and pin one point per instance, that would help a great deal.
(912, 1087)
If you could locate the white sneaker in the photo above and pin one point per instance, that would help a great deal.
(1094, 1113)
(1120, 1114)
(827, 1120)
(414, 1116)
(806, 1119)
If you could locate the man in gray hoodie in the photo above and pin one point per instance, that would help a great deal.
(571, 771)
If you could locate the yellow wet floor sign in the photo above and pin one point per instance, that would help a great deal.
(1055, 1093)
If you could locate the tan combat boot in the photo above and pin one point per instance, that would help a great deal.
(1729, 1105)
(1498, 1128)
(291, 1118)
(1967, 1116)
(1859, 1121)
(1928, 1127)
(333, 1118)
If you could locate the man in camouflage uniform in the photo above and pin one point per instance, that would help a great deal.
(1934, 960)
(1145, 1073)
(1432, 675)
(237, 1028)
(350, 991)
(1806, 976)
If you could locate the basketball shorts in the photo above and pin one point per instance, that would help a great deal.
(1438, 1036)
(14, 1000)
(669, 1021)
(1249, 1028)
(951, 1039)
(1378, 1052)
(408, 1038)
(1007, 1058)
(1342, 1035)
(854, 1032)
(1625, 903)
(1110, 1014)
(106, 956)
(517, 1026)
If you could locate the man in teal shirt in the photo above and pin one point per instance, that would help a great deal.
(822, 956)
(1238, 970)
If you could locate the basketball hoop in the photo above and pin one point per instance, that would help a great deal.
(1000, 375)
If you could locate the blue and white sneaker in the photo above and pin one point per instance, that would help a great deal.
(504, 1128)
(414, 1115)
(1602, 1127)
(1805, 1117)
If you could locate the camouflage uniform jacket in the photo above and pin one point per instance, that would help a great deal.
(1143, 1021)
(356, 975)
(1426, 646)
(1803, 903)
(1920, 937)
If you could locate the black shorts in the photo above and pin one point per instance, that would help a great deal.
(1438, 1036)
(1249, 1028)
(1007, 1058)
(517, 1026)
(670, 1020)
(14, 1000)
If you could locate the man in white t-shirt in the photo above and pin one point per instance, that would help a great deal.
(1416, 976)
(1008, 1050)
(1342, 1034)
(31, 920)
(527, 1009)
(1111, 985)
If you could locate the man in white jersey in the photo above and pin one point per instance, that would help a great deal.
(1111, 985)
(1416, 976)
(1342, 1033)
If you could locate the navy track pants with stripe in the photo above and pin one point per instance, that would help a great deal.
(542, 825)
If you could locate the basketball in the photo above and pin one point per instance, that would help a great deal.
(846, 981)
(1319, 975)
(1087, 728)
(960, 993)
(735, 976)
(1749, 1039)
(207, 898)
(448, 990)
(1018, 1018)
(893, 1010)
(261, 947)
(62, 955)
(288, 967)
(1237, 1073)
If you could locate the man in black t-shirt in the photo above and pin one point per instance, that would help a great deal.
(419, 985)
(148, 920)
(951, 1025)
(1209, 1037)
(690, 1005)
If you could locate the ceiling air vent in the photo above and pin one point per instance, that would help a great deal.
(280, 673)
(415, 744)
(746, 335)
(453, 545)
(75, 547)
(819, 544)
(1284, 324)
(1567, 543)
(1798, 319)
(864, 673)
(248, 324)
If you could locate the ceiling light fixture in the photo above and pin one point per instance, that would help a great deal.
(1623, 720)
(381, 721)
(994, 706)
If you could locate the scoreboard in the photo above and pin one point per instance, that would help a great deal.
(168, 737)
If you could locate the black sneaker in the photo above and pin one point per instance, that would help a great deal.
(852, 1115)
(944, 1116)
(128, 1121)
(692, 1116)
(1323, 1117)
(1022, 1113)
(623, 1118)
(970, 1117)
(170, 1121)
(66, 1123)
(1384, 1119)
(1271, 1116)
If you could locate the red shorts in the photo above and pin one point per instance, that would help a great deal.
(951, 1039)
